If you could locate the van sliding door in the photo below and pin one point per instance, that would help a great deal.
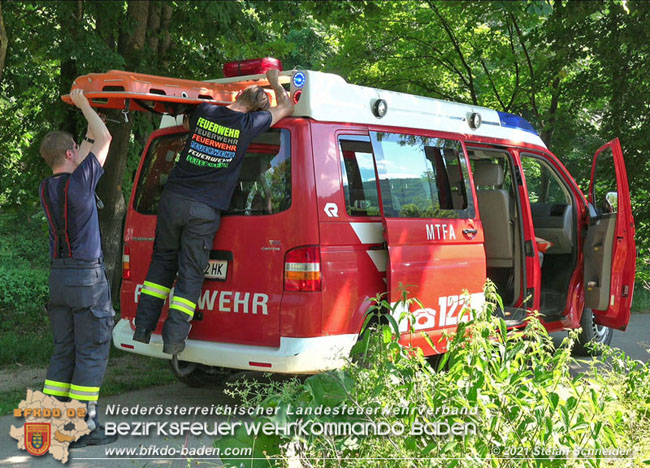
(435, 242)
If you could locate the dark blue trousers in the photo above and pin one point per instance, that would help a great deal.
(184, 234)
(81, 316)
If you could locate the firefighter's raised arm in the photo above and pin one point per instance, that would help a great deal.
(284, 106)
(98, 138)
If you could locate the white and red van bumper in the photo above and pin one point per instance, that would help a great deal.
(293, 356)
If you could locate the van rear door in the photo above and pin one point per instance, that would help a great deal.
(434, 237)
(610, 249)
(243, 288)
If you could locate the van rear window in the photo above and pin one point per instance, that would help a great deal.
(421, 177)
(264, 183)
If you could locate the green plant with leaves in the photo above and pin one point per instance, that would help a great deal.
(496, 398)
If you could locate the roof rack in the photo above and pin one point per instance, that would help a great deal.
(321, 96)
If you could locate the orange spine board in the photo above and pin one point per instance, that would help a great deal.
(114, 88)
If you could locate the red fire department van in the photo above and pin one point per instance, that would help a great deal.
(364, 191)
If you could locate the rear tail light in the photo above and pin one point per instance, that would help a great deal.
(126, 262)
(302, 269)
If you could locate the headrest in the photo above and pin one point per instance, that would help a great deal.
(487, 173)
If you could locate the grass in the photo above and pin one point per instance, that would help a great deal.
(24, 326)
(10, 400)
(30, 349)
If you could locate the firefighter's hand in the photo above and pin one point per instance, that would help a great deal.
(272, 76)
(78, 98)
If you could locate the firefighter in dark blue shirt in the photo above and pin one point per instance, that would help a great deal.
(199, 187)
(80, 309)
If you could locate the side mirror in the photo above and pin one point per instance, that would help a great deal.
(612, 201)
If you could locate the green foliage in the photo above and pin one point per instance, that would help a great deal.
(24, 271)
(509, 394)
(577, 70)
(641, 302)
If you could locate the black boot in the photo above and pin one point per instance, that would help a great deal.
(97, 435)
(173, 348)
(142, 335)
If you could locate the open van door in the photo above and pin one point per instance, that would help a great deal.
(434, 239)
(610, 249)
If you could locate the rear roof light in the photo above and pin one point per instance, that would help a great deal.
(515, 121)
(302, 269)
(251, 67)
(126, 262)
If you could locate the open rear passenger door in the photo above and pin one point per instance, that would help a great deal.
(610, 249)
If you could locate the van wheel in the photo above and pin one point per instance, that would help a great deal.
(591, 333)
(198, 375)
(435, 360)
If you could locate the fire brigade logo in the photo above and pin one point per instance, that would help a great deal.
(37, 438)
(50, 425)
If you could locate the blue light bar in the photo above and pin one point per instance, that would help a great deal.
(515, 121)
(299, 79)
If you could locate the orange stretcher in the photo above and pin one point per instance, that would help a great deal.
(124, 90)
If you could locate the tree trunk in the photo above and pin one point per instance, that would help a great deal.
(110, 186)
(153, 27)
(133, 43)
(109, 189)
(165, 37)
(551, 121)
(4, 42)
(70, 15)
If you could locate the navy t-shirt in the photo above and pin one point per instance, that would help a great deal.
(83, 222)
(209, 165)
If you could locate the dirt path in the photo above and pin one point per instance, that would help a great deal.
(120, 369)
(21, 377)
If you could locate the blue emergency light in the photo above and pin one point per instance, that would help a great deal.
(299, 79)
(515, 121)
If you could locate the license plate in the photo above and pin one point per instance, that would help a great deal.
(217, 269)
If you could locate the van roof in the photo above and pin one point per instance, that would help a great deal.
(329, 98)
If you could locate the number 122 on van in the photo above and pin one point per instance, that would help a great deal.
(448, 313)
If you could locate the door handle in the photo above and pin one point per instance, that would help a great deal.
(470, 232)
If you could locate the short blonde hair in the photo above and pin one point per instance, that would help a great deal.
(255, 98)
(54, 146)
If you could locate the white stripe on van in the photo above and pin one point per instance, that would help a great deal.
(379, 258)
(369, 233)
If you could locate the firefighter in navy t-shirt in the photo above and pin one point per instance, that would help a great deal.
(199, 187)
(80, 309)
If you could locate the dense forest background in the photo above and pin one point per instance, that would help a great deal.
(578, 71)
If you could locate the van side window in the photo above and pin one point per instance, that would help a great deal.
(543, 184)
(359, 180)
(264, 183)
(421, 177)
(605, 190)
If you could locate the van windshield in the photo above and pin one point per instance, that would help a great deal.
(264, 182)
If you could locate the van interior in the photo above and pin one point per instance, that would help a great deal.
(554, 221)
